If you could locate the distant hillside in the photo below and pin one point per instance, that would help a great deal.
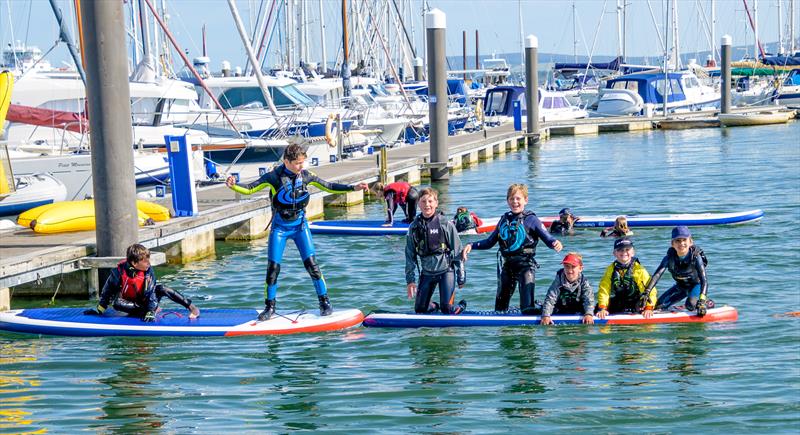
(515, 59)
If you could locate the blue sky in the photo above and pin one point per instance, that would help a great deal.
(496, 20)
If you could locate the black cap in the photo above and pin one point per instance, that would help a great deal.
(622, 243)
(565, 211)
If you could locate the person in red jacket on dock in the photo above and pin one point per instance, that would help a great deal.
(400, 194)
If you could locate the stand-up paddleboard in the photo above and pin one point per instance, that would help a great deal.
(376, 228)
(212, 322)
(490, 318)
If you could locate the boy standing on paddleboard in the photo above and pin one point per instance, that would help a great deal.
(288, 185)
(518, 233)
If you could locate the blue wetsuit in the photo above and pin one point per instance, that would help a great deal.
(518, 235)
(290, 196)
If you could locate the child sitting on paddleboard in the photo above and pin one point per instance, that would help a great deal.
(132, 289)
(432, 244)
(622, 288)
(565, 225)
(620, 229)
(518, 233)
(687, 264)
(465, 220)
(570, 292)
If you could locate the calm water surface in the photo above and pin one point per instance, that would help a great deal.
(739, 377)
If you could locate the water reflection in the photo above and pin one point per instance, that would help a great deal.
(296, 377)
(435, 359)
(17, 389)
(133, 387)
(524, 389)
(687, 348)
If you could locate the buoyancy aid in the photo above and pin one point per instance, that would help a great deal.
(624, 292)
(464, 221)
(567, 298)
(132, 281)
(400, 190)
(292, 197)
(682, 269)
(429, 238)
(513, 237)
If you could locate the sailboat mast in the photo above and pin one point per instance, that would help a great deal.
(755, 29)
(521, 34)
(780, 27)
(619, 28)
(324, 68)
(676, 44)
(345, 52)
(574, 35)
(714, 30)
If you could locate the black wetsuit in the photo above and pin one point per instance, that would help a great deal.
(433, 246)
(558, 227)
(409, 203)
(142, 301)
(518, 235)
(689, 274)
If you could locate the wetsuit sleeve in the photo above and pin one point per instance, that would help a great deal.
(458, 265)
(390, 206)
(552, 296)
(657, 274)
(488, 242)
(111, 289)
(264, 181)
(604, 289)
(533, 224)
(150, 297)
(641, 278)
(701, 274)
(588, 298)
(411, 258)
(327, 186)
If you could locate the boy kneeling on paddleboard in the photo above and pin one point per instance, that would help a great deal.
(687, 264)
(432, 244)
(132, 289)
(622, 288)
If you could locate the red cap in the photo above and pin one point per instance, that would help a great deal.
(573, 259)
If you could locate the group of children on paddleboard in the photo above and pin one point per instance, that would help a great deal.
(435, 257)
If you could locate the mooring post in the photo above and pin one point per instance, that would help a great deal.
(725, 75)
(532, 88)
(108, 95)
(435, 25)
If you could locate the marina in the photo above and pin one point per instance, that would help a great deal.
(199, 224)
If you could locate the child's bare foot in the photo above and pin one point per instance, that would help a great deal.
(194, 312)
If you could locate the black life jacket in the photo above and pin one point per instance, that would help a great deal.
(625, 294)
(463, 221)
(429, 237)
(683, 271)
(293, 196)
(513, 237)
(132, 281)
(569, 300)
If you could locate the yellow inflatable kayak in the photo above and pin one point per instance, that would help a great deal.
(61, 217)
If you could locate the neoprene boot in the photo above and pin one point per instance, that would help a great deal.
(325, 308)
(461, 307)
(269, 310)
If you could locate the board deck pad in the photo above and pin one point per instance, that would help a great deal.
(382, 319)
(212, 322)
(376, 228)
